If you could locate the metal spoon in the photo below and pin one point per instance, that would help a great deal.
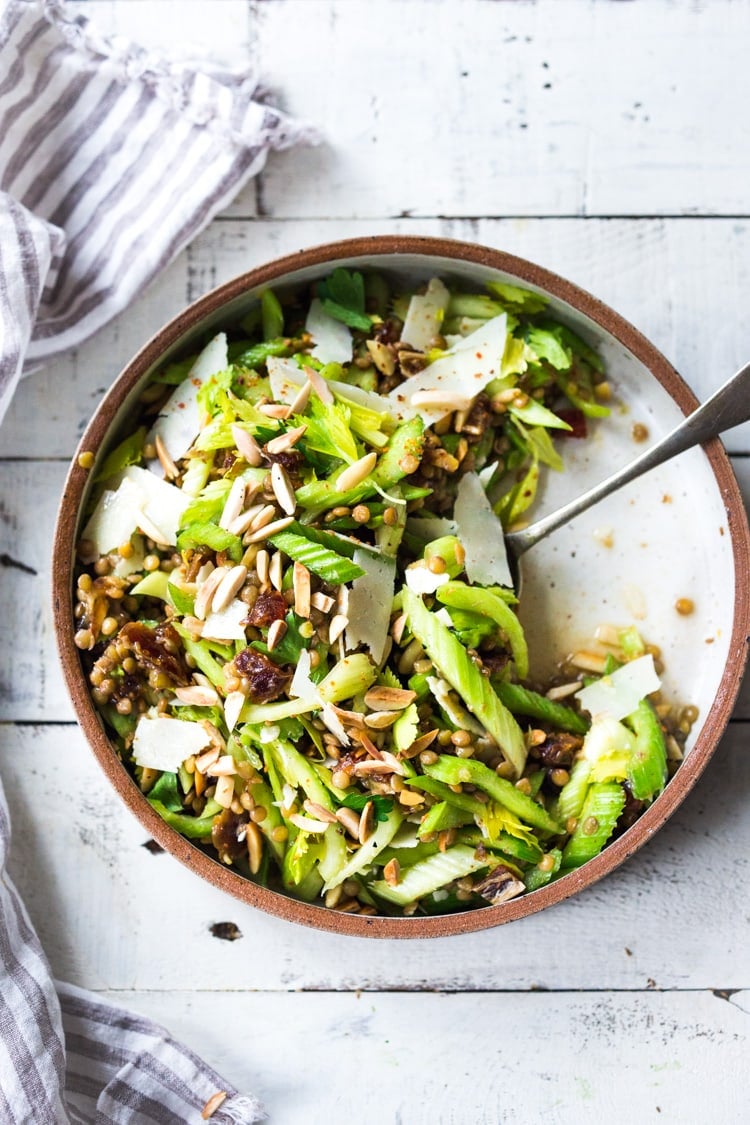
(727, 407)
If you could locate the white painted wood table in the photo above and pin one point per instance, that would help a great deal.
(610, 142)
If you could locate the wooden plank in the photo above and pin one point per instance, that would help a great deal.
(439, 108)
(31, 687)
(679, 281)
(418, 1059)
(674, 915)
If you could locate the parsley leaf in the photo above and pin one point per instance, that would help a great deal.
(343, 297)
(357, 801)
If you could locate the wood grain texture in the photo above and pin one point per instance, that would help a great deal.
(681, 282)
(675, 914)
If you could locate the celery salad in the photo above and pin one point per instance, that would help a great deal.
(298, 620)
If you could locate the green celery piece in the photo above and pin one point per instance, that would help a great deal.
(540, 443)
(573, 794)
(586, 406)
(290, 646)
(195, 828)
(377, 293)
(335, 855)
(128, 452)
(520, 497)
(328, 430)
(407, 857)
(368, 852)
(153, 585)
(463, 801)
(517, 299)
(349, 677)
(299, 859)
(209, 504)
(166, 790)
(522, 701)
(631, 643)
(456, 771)
(534, 879)
(175, 373)
(182, 602)
(272, 317)
(460, 596)
(454, 664)
(580, 347)
(388, 536)
(299, 771)
(430, 875)
(525, 850)
(445, 548)
(213, 536)
(327, 564)
(535, 414)
(256, 354)
(474, 305)
(604, 803)
(648, 764)
(547, 344)
(405, 730)
(535, 780)
(202, 656)
(122, 725)
(310, 887)
(341, 544)
(442, 816)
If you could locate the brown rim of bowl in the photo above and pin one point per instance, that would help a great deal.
(317, 916)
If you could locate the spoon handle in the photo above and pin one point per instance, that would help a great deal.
(727, 407)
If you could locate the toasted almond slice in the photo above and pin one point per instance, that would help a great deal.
(392, 872)
(319, 385)
(200, 783)
(276, 631)
(355, 473)
(299, 403)
(350, 821)
(240, 525)
(264, 516)
(254, 847)
(366, 822)
(258, 534)
(363, 738)
(247, 446)
(307, 824)
(197, 695)
(336, 627)
(224, 794)
(384, 698)
(319, 811)
(233, 705)
(381, 720)
(165, 460)
(301, 586)
(371, 765)
(231, 583)
(420, 744)
(392, 760)
(398, 627)
(321, 601)
(206, 759)
(151, 531)
(222, 767)
(349, 718)
(562, 691)
(274, 410)
(204, 597)
(282, 489)
(261, 565)
(276, 571)
(234, 503)
(342, 600)
(193, 626)
(410, 799)
(285, 441)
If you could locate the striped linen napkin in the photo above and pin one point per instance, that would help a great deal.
(111, 160)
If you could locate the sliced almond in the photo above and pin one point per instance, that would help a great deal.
(370, 765)
(384, 698)
(342, 600)
(233, 705)
(205, 595)
(170, 469)
(224, 794)
(410, 799)
(349, 718)
(420, 744)
(381, 720)
(242, 522)
(234, 503)
(319, 812)
(392, 872)
(254, 847)
(307, 824)
(197, 696)
(319, 385)
(336, 627)
(366, 822)
(398, 627)
(247, 446)
(392, 760)
(285, 441)
(276, 571)
(322, 602)
(274, 410)
(276, 632)
(214, 1102)
(301, 586)
(264, 516)
(261, 565)
(301, 399)
(562, 691)
(282, 489)
(355, 473)
(223, 767)
(382, 356)
(261, 533)
(350, 821)
(231, 584)
(367, 744)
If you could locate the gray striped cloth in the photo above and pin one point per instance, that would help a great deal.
(111, 160)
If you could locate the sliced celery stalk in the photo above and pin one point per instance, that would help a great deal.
(599, 815)
(430, 875)
(379, 840)
(648, 764)
(456, 771)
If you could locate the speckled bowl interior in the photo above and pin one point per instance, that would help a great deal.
(679, 532)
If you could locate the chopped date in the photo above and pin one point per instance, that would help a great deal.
(226, 829)
(291, 460)
(158, 648)
(269, 606)
(558, 749)
(632, 809)
(576, 419)
(267, 680)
